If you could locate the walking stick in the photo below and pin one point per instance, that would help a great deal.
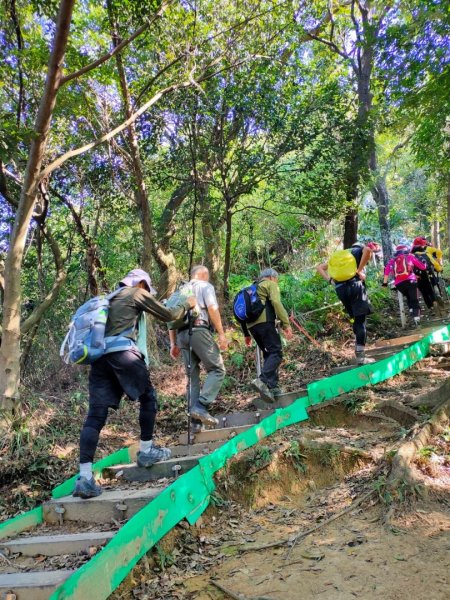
(189, 374)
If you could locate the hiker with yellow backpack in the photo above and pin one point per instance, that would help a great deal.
(345, 270)
(428, 280)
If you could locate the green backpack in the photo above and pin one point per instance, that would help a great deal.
(185, 290)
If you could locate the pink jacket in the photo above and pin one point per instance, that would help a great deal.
(411, 261)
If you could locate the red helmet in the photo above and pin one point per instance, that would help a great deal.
(420, 241)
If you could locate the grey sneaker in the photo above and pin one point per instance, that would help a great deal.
(263, 390)
(152, 456)
(199, 413)
(362, 360)
(86, 488)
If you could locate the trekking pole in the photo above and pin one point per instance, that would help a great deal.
(258, 361)
(189, 374)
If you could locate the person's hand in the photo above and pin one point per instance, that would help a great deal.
(223, 344)
(288, 334)
(248, 341)
(361, 275)
(384, 284)
(174, 352)
(192, 301)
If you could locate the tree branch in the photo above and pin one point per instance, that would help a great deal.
(118, 48)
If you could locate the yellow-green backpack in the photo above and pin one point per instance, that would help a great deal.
(342, 265)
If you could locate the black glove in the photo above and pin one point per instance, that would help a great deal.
(384, 284)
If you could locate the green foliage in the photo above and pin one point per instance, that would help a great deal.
(296, 457)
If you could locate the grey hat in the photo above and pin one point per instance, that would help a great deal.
(268, 273)
(137, 275)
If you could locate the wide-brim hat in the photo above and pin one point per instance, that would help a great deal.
(136, 276)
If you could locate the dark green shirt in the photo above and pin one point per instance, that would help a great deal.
(126, 308)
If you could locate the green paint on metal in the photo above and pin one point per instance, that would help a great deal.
(24, 521)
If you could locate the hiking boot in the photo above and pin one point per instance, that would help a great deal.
(416, 321)
(86, 488)
(263, 390)
(199, 413)
(276, 391)
(152, 456)
(361, 358)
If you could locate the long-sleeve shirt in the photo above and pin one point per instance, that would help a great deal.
(269, 293)
(411, 262)
(126, 308)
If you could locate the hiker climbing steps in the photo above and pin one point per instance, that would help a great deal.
(75, 530)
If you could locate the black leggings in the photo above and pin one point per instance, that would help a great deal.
(360, 330)
(96, 419)
(409, 290)
(426, 289)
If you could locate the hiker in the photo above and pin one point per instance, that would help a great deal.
(205, 350)
(345, 270)
(427, 279)
(123, 370)
(266, 335)
(402, 266)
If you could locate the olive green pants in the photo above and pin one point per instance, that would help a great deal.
(205, 352)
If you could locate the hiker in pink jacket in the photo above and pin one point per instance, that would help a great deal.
(405, 280)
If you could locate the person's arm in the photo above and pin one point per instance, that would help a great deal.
(323, 271)
(274, 297)
(174, 349)
(214, 317)
(366, 256)
(387, 271)
(146, 302)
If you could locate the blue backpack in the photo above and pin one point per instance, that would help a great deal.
(247, 305)
(85, 340)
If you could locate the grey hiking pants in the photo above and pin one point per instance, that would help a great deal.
(204, 351)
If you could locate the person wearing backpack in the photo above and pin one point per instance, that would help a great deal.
(427, 279)
(266, 293)
(403, 266)
(200, 348)
(345, 270)
(122, 369)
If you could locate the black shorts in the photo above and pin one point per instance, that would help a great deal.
(116, 374)
(353, 295)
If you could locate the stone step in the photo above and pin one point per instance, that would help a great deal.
(168, 468)
(281, 401)
(38, 585)
(214, 435)
(118, 505)
(53, 545)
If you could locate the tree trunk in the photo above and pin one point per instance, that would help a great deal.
(227, 258)
(381, 197)
(350, 228)
(435, 233)
(140, 192)
(10, 348)
(448, 217)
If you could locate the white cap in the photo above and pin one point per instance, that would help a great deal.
(136, 276)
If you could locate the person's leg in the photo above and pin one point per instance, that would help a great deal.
(104, 391)
(360, 308)
(134, 377)
(274, 355)
(207, 351)
(426, 290)
(183, 344)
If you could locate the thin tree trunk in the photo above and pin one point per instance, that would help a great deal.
(435, 233)
(381, 196)
(227, 258)
(448, 217)
(10, 348)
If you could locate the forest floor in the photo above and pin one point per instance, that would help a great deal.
(280, 489)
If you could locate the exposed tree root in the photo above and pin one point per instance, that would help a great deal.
(433, 398)
(402, 479)
(231, 594)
